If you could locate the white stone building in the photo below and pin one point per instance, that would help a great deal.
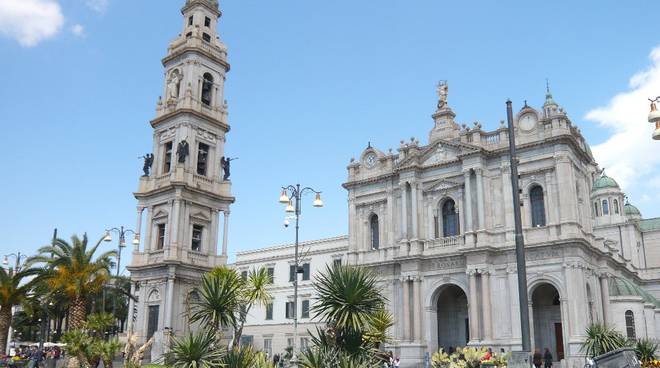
(435, 220)
(185, 191)
(270, 328)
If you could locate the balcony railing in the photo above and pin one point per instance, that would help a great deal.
(448, 241)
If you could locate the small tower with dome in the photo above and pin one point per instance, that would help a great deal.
(606, 201)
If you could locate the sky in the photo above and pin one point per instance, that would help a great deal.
(311, 83)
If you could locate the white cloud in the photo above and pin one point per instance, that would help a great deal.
(99, 6)
(630, 155)
(78, 30)
(30, 21)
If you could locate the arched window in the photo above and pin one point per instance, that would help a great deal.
(538, 206)
(373, 227)
(630, 324)
(615, 204)
(449, 218)
(207, 89)
(606, 207)
(596, 211)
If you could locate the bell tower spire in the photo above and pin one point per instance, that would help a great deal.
(183, 193)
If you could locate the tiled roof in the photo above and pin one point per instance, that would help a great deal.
(652, 224)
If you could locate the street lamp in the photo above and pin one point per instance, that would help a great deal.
(122, 244)
(291, 196)
(18, 256)
(654, 117)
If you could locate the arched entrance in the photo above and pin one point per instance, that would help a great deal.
(546, 312)
(452, 315)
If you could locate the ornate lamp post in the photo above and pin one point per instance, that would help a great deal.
(122, 244)
(18, 256)
(654, 117)
(291, 196)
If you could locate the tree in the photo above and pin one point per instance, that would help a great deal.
(218, 302)
(73, 270)
(14, 289)
(254, 292)
(602, 339)
(353, 308)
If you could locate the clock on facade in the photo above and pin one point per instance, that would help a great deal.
(370, 160)
(528, 121)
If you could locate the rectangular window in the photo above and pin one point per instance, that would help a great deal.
(269, 311)
(305, 271)
(202, 158)
(271, 275)
(289, 310)
(196, 242)
(268, 346)
(207, 22)
(289, 342)
(160, 241)
(190, 20)
(247, 340)
(337, 262)
(244, 275)
(292, 273)
(305, 309)
(167, 157)
(206, 37)
(304, 343)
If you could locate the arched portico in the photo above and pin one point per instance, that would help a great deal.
(448, 325)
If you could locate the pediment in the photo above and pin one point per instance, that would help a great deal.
(160, 214)
(443, 151)
(200, 216)
(441, 184)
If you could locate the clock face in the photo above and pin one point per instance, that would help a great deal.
(370, 160)
(527, 121)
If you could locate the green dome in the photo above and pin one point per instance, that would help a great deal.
(605, 182)
(631, 210)
(620, 286)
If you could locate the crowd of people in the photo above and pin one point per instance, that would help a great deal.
(542, 360)
(33, 357)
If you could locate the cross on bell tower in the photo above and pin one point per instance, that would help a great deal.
(183, 196)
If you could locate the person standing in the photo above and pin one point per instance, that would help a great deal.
(537, 359)
(547, 357)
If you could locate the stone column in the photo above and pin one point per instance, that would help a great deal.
(468, 201)
(138, 229)
(417, 311)
(174, 227)
(213, 235)
(404, 212)
(480, 199)
(413, 189)
(169, 302)
(507, 196)
(605, 297)
(406, 310)
(225, 234)
(486, 305)
(131, 306)
(473, 308)
(148, 231)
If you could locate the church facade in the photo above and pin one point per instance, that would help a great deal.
(434, 219)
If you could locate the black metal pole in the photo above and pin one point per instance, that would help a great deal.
(295, 280)
(520, 243)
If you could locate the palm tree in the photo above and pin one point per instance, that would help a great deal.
(195, 351)
(602, 339)
(219, 296)
(255, 292)
(13, 290)
(72, 270)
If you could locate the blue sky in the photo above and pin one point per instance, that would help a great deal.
(311, 83)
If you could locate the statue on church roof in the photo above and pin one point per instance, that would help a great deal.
(443, 91)
(225, 164)
(182, 151)
(148, 161)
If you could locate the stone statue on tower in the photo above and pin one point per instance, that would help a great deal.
(443, 91)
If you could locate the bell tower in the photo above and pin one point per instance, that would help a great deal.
(183, 191)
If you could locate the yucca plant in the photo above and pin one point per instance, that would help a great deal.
(254, 293)
(602, 339)
(106, 351)
(243, 357)
(645, 349)
(195, 351)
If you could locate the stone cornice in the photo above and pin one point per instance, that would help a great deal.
(161, 119)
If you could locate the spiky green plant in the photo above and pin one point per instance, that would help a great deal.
(254, 293)
(14, 289)
(219, 298)
(646, 349)
(106, 351)
(602, 339)
(242, 357)
(195, 351)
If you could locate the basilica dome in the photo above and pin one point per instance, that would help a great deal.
(605, 182)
